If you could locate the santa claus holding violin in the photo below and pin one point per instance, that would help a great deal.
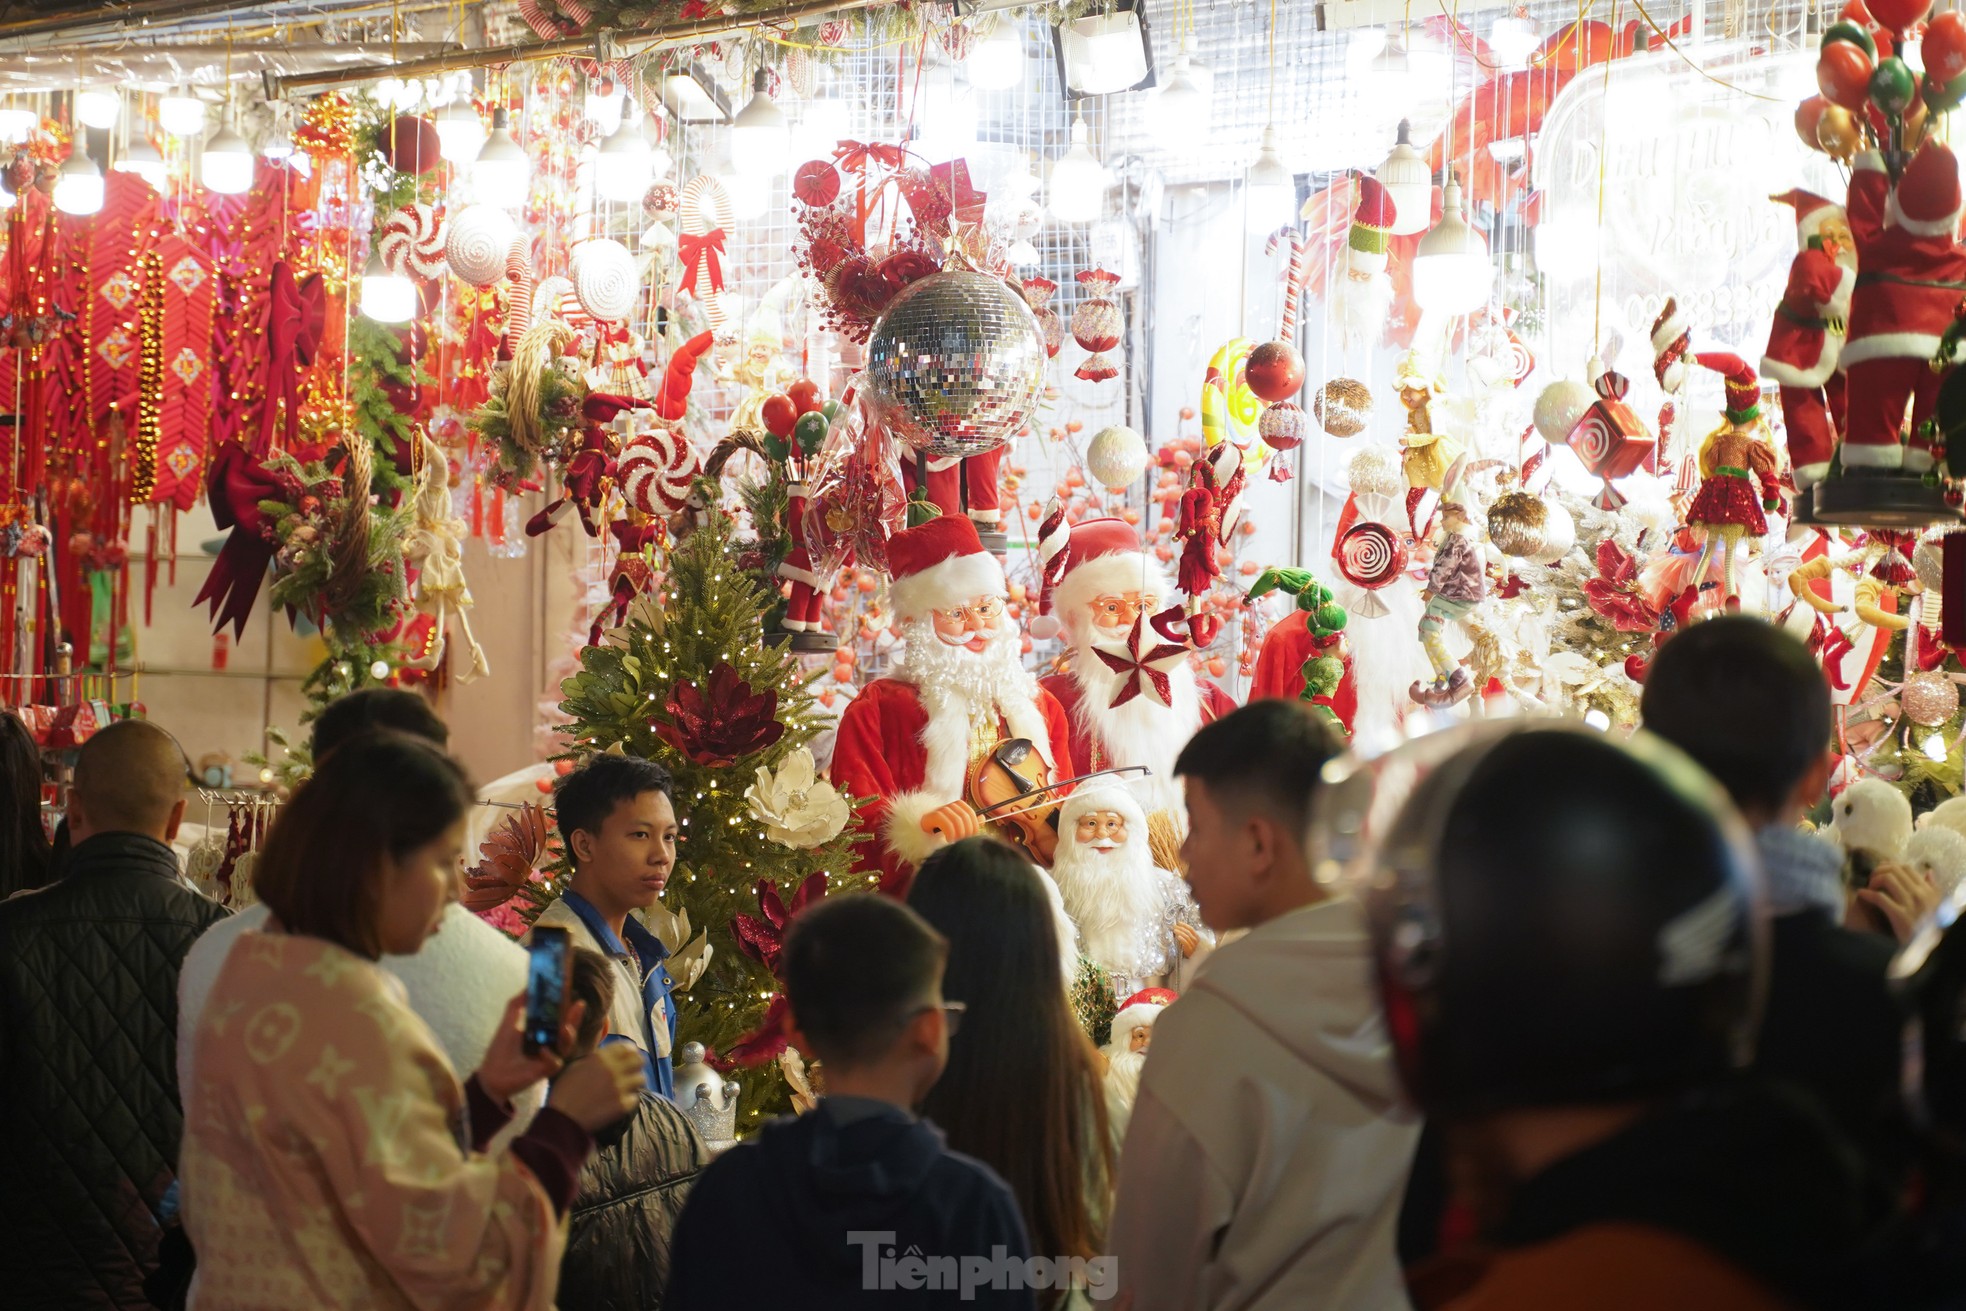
(960, 704)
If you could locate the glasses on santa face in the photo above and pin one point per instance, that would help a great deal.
(1118, 610)
(985, 610)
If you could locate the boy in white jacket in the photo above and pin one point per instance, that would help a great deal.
(1268, 1149)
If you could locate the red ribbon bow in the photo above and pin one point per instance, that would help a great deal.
(297, 315)
(854, 156)
(702, 255)
(236, 484)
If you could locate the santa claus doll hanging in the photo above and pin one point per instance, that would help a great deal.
(1805, 341)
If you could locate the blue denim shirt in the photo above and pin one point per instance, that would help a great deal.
(648, 953)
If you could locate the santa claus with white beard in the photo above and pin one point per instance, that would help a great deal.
(1136, 920)
(909, 741)
(1126, 1051)
(1098, 585)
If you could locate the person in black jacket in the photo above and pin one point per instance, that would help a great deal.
(1749, 704)
(858, 1203)
(631, 1192)
(89, 1101)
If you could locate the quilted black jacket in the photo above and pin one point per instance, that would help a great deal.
(630, 1195)
(89, 1105)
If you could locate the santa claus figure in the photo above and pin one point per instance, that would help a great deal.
(1136, 920)
(1907, 291)
(1126, 1051)
(1361, 289)
(1098, 587)
(956, 485)
(1805, 341)
(959, 697)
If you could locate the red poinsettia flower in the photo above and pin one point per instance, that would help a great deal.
(906, 266)
(763, 940)
(722, 725)
(1614, 592)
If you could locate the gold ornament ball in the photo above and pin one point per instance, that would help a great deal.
(1929, 699)
(1343, 407)
(1516, 523)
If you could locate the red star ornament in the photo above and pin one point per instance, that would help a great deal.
(1148, 668)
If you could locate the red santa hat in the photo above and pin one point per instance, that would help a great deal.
(1670, 340)
(1926, 201)
(1743, 386)
(1088, 559)
(940, 565)
(1812, 213)
(1142, 1008)
(1372, 218)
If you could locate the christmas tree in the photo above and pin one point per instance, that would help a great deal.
(689, 681)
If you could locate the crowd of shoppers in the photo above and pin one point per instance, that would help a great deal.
(1520, 1015)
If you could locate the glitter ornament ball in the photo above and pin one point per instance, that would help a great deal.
(1275, 371)
(1929, 699)
(1283, 426)
(1343, 407)
(1375, 471)
(1530, 528)
(1116, 458)
(1559, 407)
(956, 364)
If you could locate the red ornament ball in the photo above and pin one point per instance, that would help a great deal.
(780, 414)
(1275, 371)
(1283, 426)
(816, 183)
(661, 199)
(804, 395)
(410, 144)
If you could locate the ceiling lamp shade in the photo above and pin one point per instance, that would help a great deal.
(460, 131)
(603, 104)
(996, 63)
(181, 114)
(1409, 181)
(502, 173)
(386, 297)
(227, 164)
(693, 96)
(1103, 53)
(78, 186)
(1451, 272)
(96, 107)
(1078, 180)
(143, 159)
(1182, 111)
(1269, 192)
(16, 123)
(279, 144)
(759, 136)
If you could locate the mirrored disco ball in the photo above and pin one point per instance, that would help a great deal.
(956, 364)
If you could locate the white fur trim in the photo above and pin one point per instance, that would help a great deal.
(1787, 375)
(1068, 932)
(1134, 1016)
(943, 463)
(1868, 161)
(1839, 301)
(988, 518)
(1895, 217)
(1808, 475)
(1888, 456)
(1917, 459)
(1103, 794)
(946, 584)
(903, 829)
(1670, 331)
(1812, 224)
(1889, 346)
(1106, 575)
(795, 574)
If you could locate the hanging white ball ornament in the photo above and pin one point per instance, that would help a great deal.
(1116, 458)
(1559, 407)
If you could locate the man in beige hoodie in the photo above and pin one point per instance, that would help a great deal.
(1268, 1149)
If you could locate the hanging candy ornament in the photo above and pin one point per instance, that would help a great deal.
(1037, 294)
(1116, 458)
(412, 242)
(1097, 325)
(518, 307)
(1283, 426)
(605, 279)
(816, 183)
(1343, 407)
(704, 215)
(655, 471)
(1229, 409)
(1275, 371)
(1370, 555)
(1610, 439)
(476, 242)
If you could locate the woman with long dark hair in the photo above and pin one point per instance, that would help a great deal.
(1023, 1091)
(23, 841)
(331, 1159)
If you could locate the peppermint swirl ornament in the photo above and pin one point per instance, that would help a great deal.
(1370, 555)
(412, 242)
(476, 242)
(655, 471)
(605, 279)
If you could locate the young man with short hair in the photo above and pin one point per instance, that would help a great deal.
(1268, 1147)
(859, 1203)
(617, 819)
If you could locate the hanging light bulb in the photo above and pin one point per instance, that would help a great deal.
(622, 166)
(759, 138)
(1409, 181)
(1388, 77)
(143, 159)
(1182, 109)
(96, 107)
(501, 173)
(181, 114)
(603, 105)
(227, 164)
(996, 63)
(78, 185)
(16, 123)
(1451, 272)
(386, 297)
(1269, 192)
(460, 130)
(750, 193)
(279, 143)
(1078, 180)
(1512, 39)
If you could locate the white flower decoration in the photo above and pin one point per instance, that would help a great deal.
(795, 805)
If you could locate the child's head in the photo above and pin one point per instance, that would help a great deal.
(1750, 705)
(590, 978)
(863, 979)
(618, 823)
(370, 708)
(1250, 777)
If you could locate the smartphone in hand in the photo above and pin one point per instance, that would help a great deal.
(549, 956)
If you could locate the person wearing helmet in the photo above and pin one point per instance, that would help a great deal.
(1750, 705)
(1566, 940)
